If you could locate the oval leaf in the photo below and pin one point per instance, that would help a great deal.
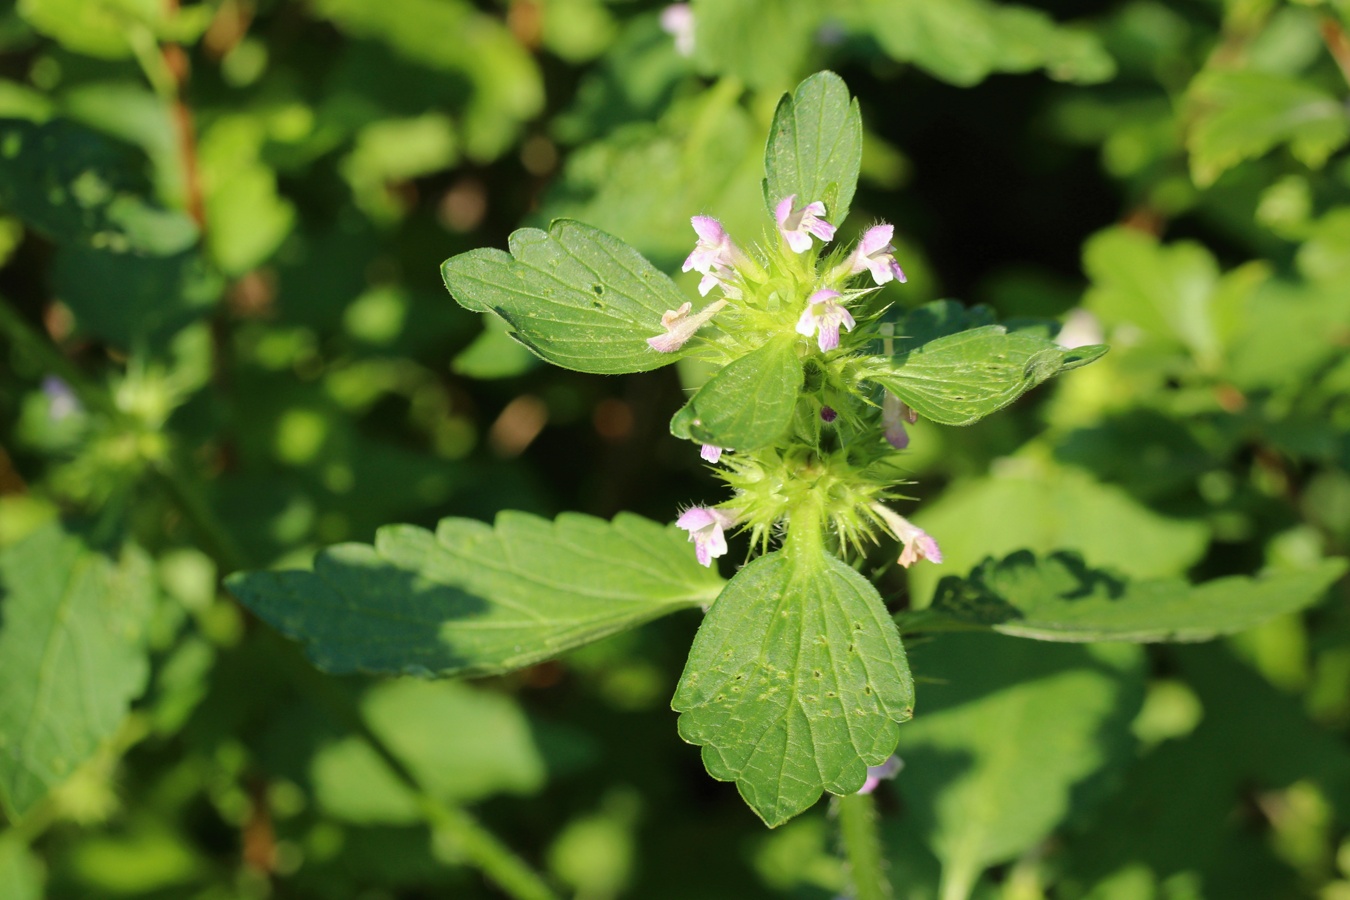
(576, 296)
(815, 146)
(475, 599)
(795, 684)
(749, 403)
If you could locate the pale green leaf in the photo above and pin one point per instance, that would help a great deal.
(795, 684)
(72, 656)
(1244, 115)
(1045, 509)
(749, 403)
(961, 378)
(1007, 741)
(462, 744)
(246, 216)
(493, 354)
(576, 296)
(764, 43)
(101, 28)
(815, 146)
(477, 599)
(1060, 598)
(21, 873)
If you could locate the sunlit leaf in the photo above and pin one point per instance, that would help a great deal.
(815, 146)
(749, 403)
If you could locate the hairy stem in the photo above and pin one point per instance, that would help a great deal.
(862, 847)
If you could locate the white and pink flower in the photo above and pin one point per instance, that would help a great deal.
(706, 526)
(798, 224)
(824, 316)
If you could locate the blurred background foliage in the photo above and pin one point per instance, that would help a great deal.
(226, 345)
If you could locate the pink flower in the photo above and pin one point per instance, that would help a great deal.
(823, 317)
(715, 255)
(680, 326)
(677, 20)
(705, 525)
(884, 772)
(873, 253)
(797, 225)
(894, 415)
(918, 544)
(711, 452)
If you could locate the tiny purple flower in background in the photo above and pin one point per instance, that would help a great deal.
(677, 20)
(797, 225)
(705, 525)
(828, 414)
(894, 415)
(680, 326)
(874, 253)
(918, 544)
(884, 772)
(61, 400)
(823, 317)
(711, 452)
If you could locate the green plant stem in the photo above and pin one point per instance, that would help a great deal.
(478, 845)
(862, 847)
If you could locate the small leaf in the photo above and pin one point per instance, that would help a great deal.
(72, 656)
(749, 403)
(1011, 740)
(475, 599)
(1059, 598)
(815, 146)
(961, 378)
(576, 296)
(795, 684)
(1244, 115)
(764, 43)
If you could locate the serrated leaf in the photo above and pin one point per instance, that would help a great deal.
(815, 146)
(795, 684)
(77, 185)
(576, 296)
(749, 403)
(1011, 738)
(1244, 115)
(1060, 598)
(963, 377)
(72, 656)
(479, 599)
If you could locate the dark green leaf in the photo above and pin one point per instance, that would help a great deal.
(749, 403)
(795, 684)
(815, 146)
(961, 378)
(1059, 598)
(72, 656)
(578, 297)
(476, 599)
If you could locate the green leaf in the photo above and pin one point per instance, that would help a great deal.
(77, 185)
(475, 599)
(1025, 506)
(20, 870)
(102, 28)
(576, 296)
(246, 217)
(795, 684)
(1011, 738)
(493, 354)
(462, 744)
(1244, 115)
(963, 377)
(764, 43)
(749, 403)
(1059, 598)
(72, 656)
(815, 146)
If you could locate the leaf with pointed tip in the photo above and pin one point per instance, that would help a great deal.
(963, 377)
(815, 146)
(478, 599)
(1058, 598)
(72, 656)
(574, 295)
(795, 684)
(749, 403)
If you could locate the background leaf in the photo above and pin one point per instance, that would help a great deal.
(578, 297)
(749, 403)
(795, 684)
(1059, 598)
(815, 147)
(72, 656)
(475, 599)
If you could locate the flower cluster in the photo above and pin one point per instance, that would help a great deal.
(752, 290)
